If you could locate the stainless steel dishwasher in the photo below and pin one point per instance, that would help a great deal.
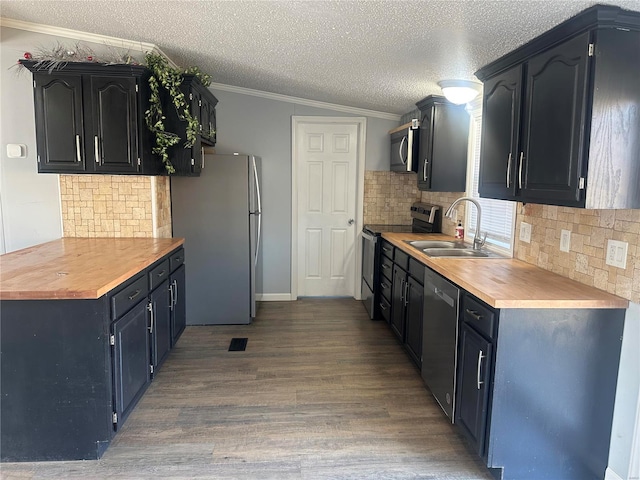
(439, 339)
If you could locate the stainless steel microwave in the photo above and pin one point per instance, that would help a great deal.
(404, 147)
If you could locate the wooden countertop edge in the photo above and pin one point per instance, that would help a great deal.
(606, 301)
(92, 294)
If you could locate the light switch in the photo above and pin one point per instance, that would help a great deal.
(617, 253)
(16, 150)
(525, 232)
(565, 240)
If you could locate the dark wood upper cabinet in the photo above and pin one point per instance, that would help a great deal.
(190, 160)
(113, 126)
(500, 134)
(59, 123)
(90, 119)
(560, 119)
(444, 137)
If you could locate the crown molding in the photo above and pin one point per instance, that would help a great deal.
(305, 101)
(84, 36)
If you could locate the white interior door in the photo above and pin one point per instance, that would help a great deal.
(327, 166)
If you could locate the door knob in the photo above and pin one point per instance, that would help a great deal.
(351, 221)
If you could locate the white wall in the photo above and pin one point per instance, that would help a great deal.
(262, 126)
(29, 202)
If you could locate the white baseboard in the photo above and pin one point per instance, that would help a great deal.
(611, 475)
(274, 297)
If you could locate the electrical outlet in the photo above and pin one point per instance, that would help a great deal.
(525, 232)
(565, 240)
(617, 253)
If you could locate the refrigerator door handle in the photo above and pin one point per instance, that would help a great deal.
(255, 258)
(255, 175)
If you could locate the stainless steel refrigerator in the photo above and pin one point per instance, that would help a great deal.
(219, 214)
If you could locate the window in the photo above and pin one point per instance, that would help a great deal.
(498, 216)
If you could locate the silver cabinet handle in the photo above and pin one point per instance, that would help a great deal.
(202, 157)
(383, 306)
(175, 289)
(152, 320)
(78, 154)
(404, 139)
(384, 285)
(424, 170)
(520, 170)
(509, 171)
(406, 293)
(384, 265)
(402, 290)
(96, 148)
(134, 294)
(480, 357)
(171, 300)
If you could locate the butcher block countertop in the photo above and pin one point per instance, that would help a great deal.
(77, 268)
(508, 283)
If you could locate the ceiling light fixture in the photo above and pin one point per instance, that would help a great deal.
(460, 91)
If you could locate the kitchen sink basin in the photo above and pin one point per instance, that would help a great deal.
(422, 244)
(454, 252)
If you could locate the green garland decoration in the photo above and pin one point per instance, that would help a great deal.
(170, 78)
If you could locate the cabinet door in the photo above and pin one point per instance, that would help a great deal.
(499, 153)
(160, 324)
(553, 124)
(179, 312)
(397, 301)
(131, 361)
(415, 300)
(474, 384)
(204, 117)
(212, 124)
(113, 130)
(425, 148)
(59, 123)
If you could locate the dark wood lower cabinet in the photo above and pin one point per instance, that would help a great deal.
(72, 371)
(397, 302)
(474, 385)
(179, 310)
(160, 323)
(131, 362)
(413, 316)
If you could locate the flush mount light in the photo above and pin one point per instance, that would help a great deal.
(460, 91)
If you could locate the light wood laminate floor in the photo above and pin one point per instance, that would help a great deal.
(320, 392)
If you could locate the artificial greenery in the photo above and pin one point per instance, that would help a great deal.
(170, 78)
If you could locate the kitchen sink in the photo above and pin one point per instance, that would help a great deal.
(422, 244)
(454, 252)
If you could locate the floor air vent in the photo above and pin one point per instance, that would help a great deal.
(238, 344)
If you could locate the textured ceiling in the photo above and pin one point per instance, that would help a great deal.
(378, 55)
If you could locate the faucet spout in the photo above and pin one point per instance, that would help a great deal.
(478, 238)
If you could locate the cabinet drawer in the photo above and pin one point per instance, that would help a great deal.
(416, 269)
(480, 316)
(385, 287)
(385, 309)
(176, 259)
(159, 274)
(129, 295)
(401, 259)
(387, 249)
(386, 267)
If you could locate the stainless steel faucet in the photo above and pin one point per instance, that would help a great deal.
(478, 238)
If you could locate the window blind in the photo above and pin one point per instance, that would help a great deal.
(497, 215)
